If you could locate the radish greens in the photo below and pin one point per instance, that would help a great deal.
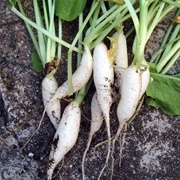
(101, 49)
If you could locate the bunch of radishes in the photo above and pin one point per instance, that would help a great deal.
(108, 68)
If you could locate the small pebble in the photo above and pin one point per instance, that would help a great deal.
(30, 154)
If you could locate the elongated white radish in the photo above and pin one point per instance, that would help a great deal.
(121, 64)
(65, 137)
(79, 78)
(134, 83)
(121, 60)
(49, 87)
(96, 116)
(130, 93)
(96, 123)
(103, 80)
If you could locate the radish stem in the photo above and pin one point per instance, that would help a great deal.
(44, 31)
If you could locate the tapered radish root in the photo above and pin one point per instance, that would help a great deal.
(130, 93)
(121, 60)
(65, 137)
(79, 78)
(134, 83)
(96, 122)
(121, 64)
(49, 87)
(96, 116)
(67, 132)
(103, 80)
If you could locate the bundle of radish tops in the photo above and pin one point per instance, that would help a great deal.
(105, 65)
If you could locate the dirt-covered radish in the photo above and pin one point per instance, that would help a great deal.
(103, 75)
(96, 123)
(65, 137)
(130, 93)
(49, 87)
(121, 64)
(134, 83)
(79, 78)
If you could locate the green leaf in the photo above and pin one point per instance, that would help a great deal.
(164, 93)
(36, 62)
(68, 10)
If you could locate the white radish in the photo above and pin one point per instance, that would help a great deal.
(65, 137)
(103, 80)
(121, 64)
(79, 78)
(121, 60)
(130, 93)
(96, 123)
(96, 116)
(49, 87)
(134, 83)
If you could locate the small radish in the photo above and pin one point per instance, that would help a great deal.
(49, 87)
(65, 137)
(96, 116)
(96, 123)
(79, 78)
(121, 64)
(121, 60)
(130, 93)
(134, 84)
(103, 80)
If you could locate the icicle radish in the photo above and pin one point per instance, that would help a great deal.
(49, 87)
(121, 64)
(79, 78)
(121, 60)
(103, 80)
(134, 83)
(130, 93)
(96, 122)
(65, 137)
(96, 116)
